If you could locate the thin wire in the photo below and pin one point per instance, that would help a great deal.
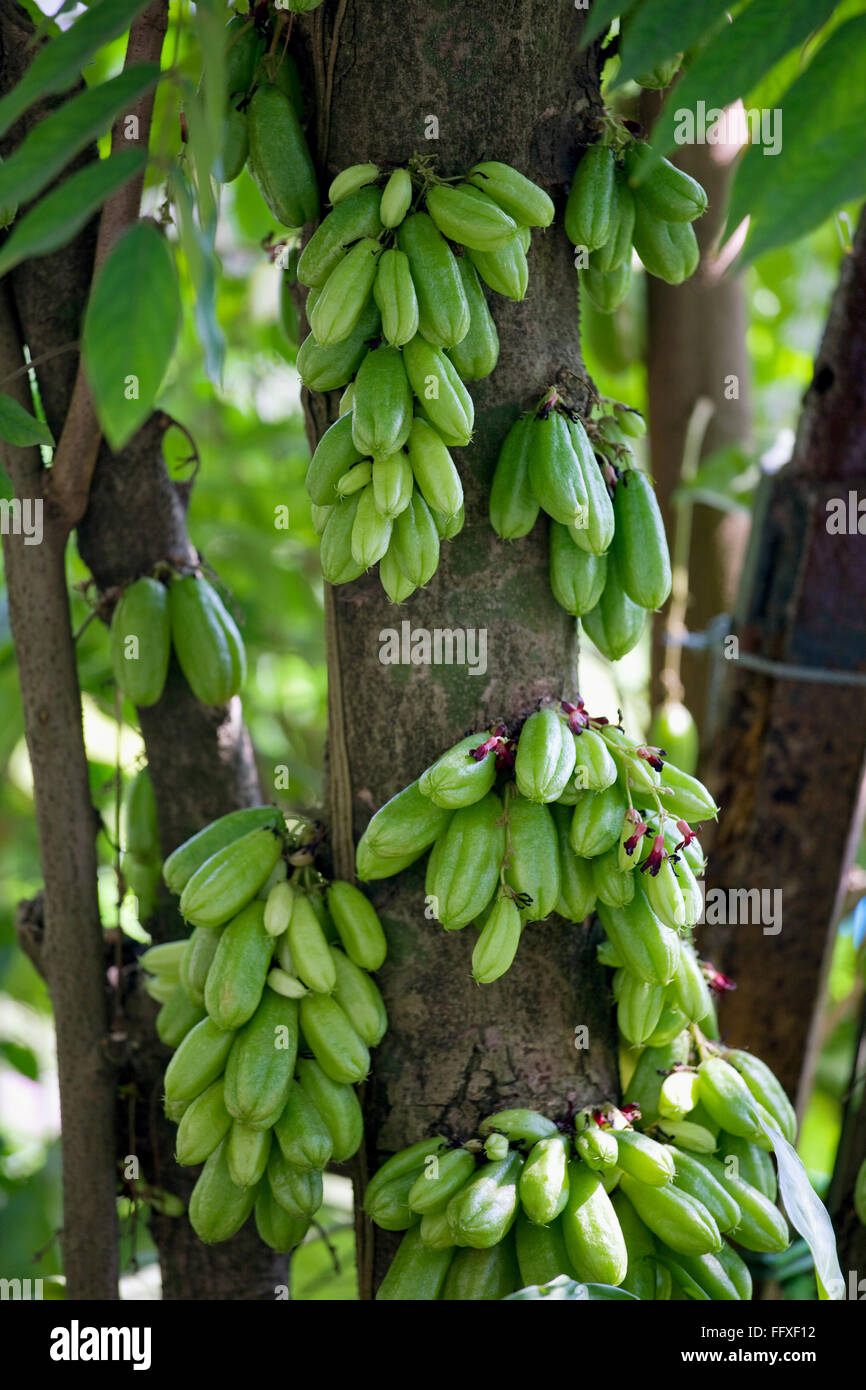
(719, 628)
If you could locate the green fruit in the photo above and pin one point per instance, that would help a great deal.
(277, 1227)
(594, 529)
(357, 924)
(674, 730)
(206, 640)
(554, 472)
(612, 887)
(541, 1253)
(198, 1061)
(416, 1273)
(183, 862)
(693, 1176)
(229, 879)
(334, 1042)
(466, 215)
(754, 1165)
(679, 1220)
(679, 1095)
(435, 381)
(280, 158)
(304, 1138)
(392, 485)
(684, 797)
(339, 565)
(261, 1063)
(443, 310)
(327, 369)
(544, 1182)
(410, 1162)
(644, 1158)
(243, 48)
(639, 1008)
(532, 864)
(479, 1275)
(616, 250)
(761, 1226)
(723, 1276)
(616, 623)
(235, 145)
(517, 195)
(141, 835)
(352, 219)
(767, 1089)
(545, 756)
(396, 198)
(463, 870)
(727, 1098)
(350, 180)
(669, 193)
(520, 1126)
(341, 302)
(476, 355)
(394, 292)
(668, 250)
(589, 207)
(644, 1088)
(200, 950)
(576, 883)
(689, 987)
(177, 1016)
(577, 577)
(450, 526)
(247, 1154)
(278, 908)
(597, 821)
(593, 1238)
(484, 1210)
(605, 289)
(506, 271)
(415, 542)
(513, 506)
(282, 71)
(434, 470)
(649, 949)
(456, 778)
(298, 1190)
(218, 1207)
(164, 959)
(404, 828)
(141, 641)
(496, 947)
(382, 411)
(371, 531)
(359, 999)
(643, 561)
(204, 1123)
(236, 978)
(338, 1106)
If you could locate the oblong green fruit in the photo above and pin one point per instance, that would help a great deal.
(298, 1190)
(371, 531)
(177, 1016)
(300, 1131)
(544, 1181)
(456, 778)
(514, 507)
(616, 250)
(393, 482)
(517, 195)
(645, 1085)
(679, 1095)
(464, 214)
(339, 565)
(140, 831)
(334, 1042)
(594, 530)
(200, 950)
(593, 1238)
(723, 1276)
(463, 871)
(359, 999)
(203, 1124)
(480, 1275)
(218, 1207)
(398, 588)
(668, 192)
(408, 1162)
(349, 180)
(727, 1098)
(351, 219)
(436, 383)
(577, 577)
(415, 541)
(382, 409)
(226, 881)
(476, 355)
(639, 1007)
(434, 1187)
(198, 1061)
(597, 821)
(236, 979)
(328, 368)
(182, 863)
(605, 289)
(545, 756)
(679, 1220)
(643, 559)
(357, 924)
(612, 886)
(554, 471)
(506, 271)
(443, 310)
(206, 640)
(416, 1273)
(577, 894)
(668, 250)
(345, 292)
(277, 1227)
(589, 206)
(616, 623)
(766, 1088)
(396, 198)
(338, 1106)
(243, 48)
(694, 1177)
(649, 948)
(498, 940)
(484, 1210)
(261, 1063)
(394, 292)
(685, 797)
(532, 868)
(519, 1125)
(408, 824)
(761, 1226)
(644, 1158)
(387, 1203)
(690, 989)
(280, 159)
(247, 1153)
(541, 1253)
(754, 1165)
(434, 470)
(141, 641)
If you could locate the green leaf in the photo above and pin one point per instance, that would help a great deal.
(204, 271)
(57, 65)
(130, 329)
(602, 15)
(569, 1289)
(206, 111)
(661, 28)
(61, 136)
(65, 210)
(822, 163)
(726, 480)
(807, 1214)
(738, 56)
(18, 426)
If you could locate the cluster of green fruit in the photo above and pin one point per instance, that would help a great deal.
(398, 317)
(188, 614)
(609, 560)
(271, 1011)
(595, 1198)
(624, 195)
(559, 836)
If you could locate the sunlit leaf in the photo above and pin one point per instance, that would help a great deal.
(18, 426)
(807, 1214)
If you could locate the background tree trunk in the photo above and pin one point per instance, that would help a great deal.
(505, 82)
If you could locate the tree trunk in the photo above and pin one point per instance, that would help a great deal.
(505, 83)
(790, 751)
